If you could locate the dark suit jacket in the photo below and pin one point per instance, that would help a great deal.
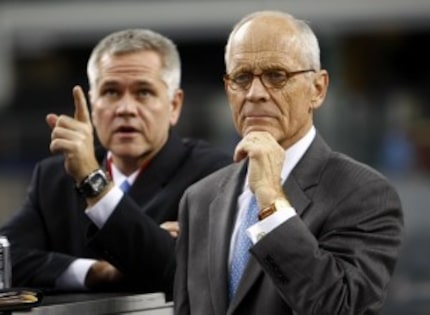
(335, 257)
(51, 229)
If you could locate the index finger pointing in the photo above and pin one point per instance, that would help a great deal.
(81, 110)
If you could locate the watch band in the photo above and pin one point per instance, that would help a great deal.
(264, 213)
(274, 206)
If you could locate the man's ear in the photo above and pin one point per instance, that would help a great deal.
(320, 86)
(176, 107)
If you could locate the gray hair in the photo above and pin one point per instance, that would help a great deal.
(136, 40)
(306, 37)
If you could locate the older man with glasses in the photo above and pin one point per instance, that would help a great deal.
(293, 227)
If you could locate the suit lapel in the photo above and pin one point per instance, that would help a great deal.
(307, 174)
(159, 171)
(222, 213)
(296, 195)
(252, 272)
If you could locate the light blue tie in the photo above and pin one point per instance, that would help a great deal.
(125, 186)
(241, 248)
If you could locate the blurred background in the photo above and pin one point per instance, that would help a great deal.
(377, 109)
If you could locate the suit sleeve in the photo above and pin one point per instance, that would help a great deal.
(136, 245)
(32, 263)
(181, 304)
(345, 266)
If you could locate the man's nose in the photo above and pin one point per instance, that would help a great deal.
(127, 104)
(257, 89)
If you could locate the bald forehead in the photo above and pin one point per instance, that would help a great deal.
(276, 34)
(273, 24)
(270, 31)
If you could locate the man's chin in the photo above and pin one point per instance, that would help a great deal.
(128, 150)
(250, 129)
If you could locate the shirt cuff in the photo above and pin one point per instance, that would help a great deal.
(73, 278)
(261, 228)
(101, 211)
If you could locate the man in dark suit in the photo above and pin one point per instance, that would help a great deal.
(77, 229)
(293, 227)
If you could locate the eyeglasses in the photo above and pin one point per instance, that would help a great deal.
(271, 79)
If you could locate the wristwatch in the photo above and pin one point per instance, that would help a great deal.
(277, 205)
(93, 184)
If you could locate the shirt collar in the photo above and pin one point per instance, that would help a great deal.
(116, 174)
(294, 153)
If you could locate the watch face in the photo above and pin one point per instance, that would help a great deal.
(93, 184)
(98, 182)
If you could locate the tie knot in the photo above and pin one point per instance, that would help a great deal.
(125, 186)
